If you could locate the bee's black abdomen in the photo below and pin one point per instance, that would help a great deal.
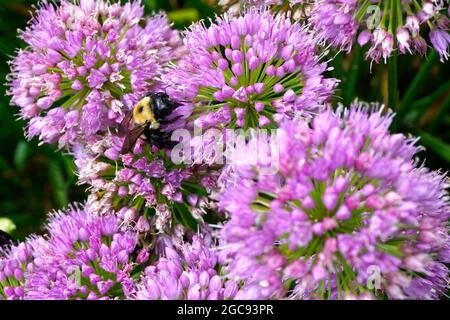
(158, 138)
(161, 105)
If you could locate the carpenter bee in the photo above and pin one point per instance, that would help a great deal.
(5, 240)
(148, 115)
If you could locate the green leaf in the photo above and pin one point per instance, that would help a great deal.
(69, 168)
(413, 88)
(353, 75)
(21, 154)
(183, 16)
(420, 107)
(435, 144)
(151, 4)
(184, 216)
(7, 225)
(60, 190)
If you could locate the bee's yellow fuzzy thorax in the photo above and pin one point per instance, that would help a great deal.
(143, 113)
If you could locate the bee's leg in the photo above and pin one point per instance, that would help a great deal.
(144, 138)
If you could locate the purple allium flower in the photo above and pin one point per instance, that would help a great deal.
(338, 22)
(187, 271)
(85, 64)
(14, 263)
(144, 179)
(347, 212)
(334, 21)
(248, 71)
(86, 256)
(440, 39)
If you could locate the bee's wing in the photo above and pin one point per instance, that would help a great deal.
(131, 137)
(123, 127)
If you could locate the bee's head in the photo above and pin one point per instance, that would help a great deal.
(143, 113)
(161, 104)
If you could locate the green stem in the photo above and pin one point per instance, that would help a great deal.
(392, 81)
(392, 27)
(362, 10)
(399, 13)
(385, 11)
(431, 142)
(392, 62)
(353, 76)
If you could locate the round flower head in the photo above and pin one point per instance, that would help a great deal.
(144, 179)
(248, 71)
(86, 256)
(85, 64)
(187, 271)
(14, 262)
(387, 25)
(347, 214)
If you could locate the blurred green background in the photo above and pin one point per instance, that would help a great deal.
(36, 179)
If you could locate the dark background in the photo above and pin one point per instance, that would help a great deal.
(36, 179)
